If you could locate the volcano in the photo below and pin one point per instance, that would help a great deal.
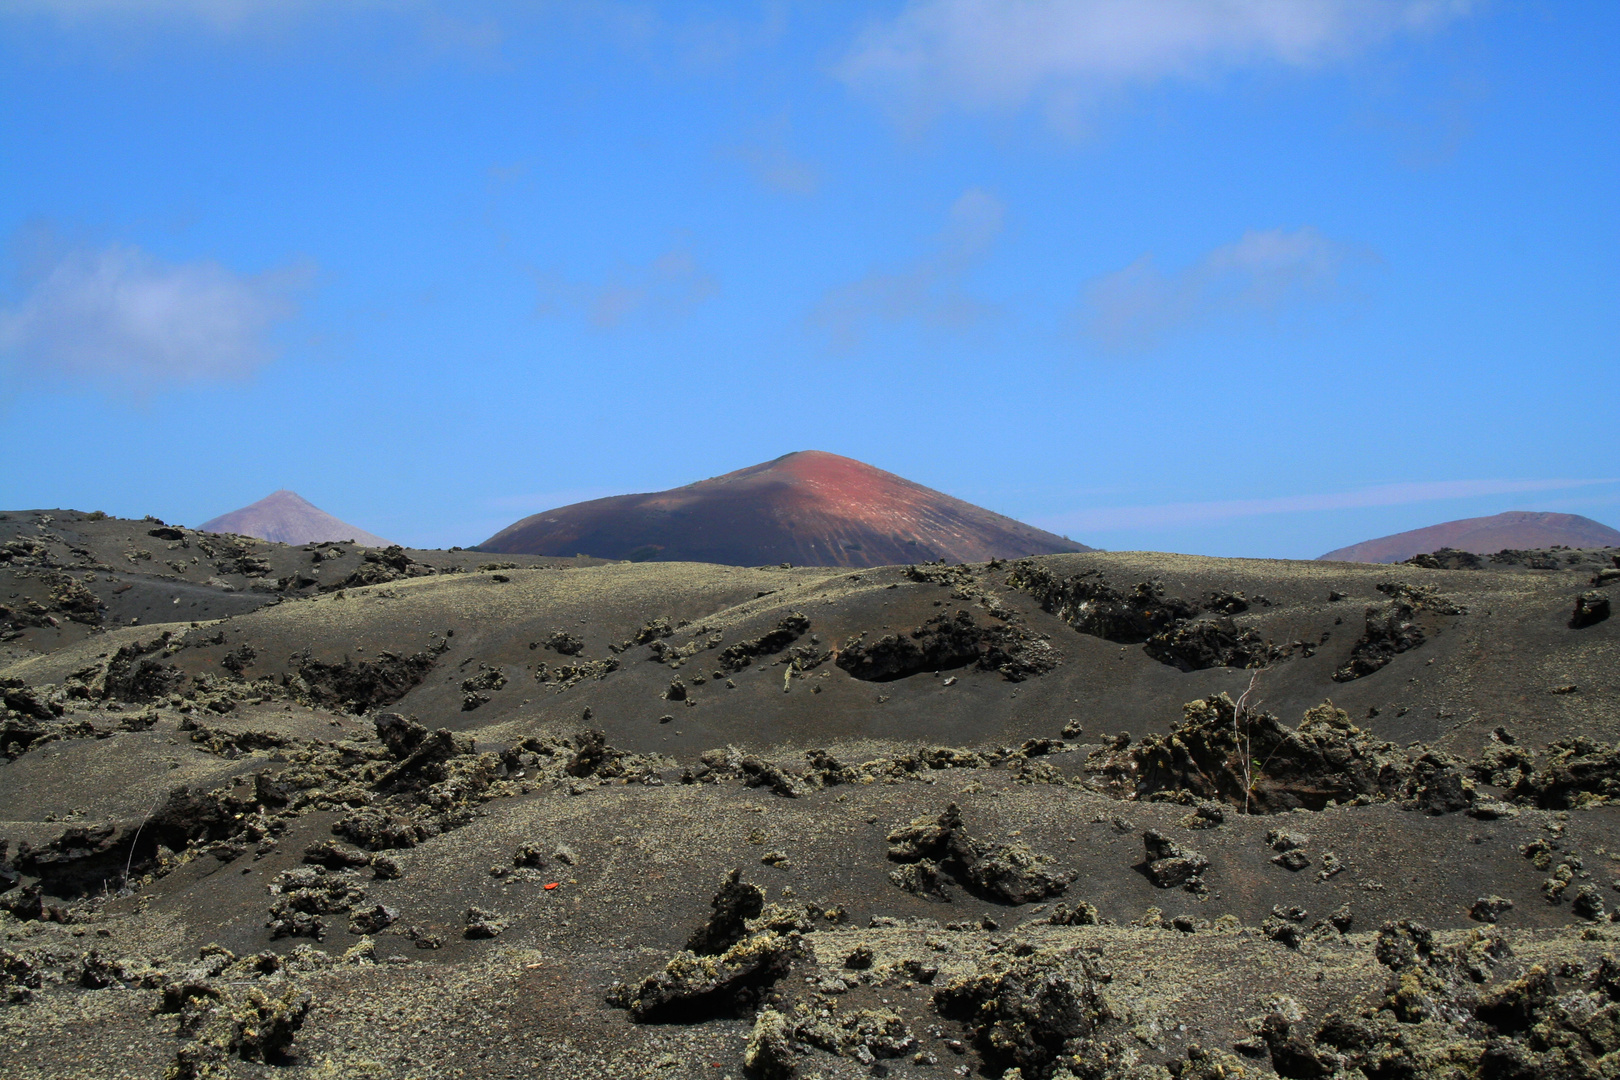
(287, 518)
(808, 508)
(1521, 529)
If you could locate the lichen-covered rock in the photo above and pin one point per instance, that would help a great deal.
(1210, 1063)
(379, 830)
(1572, 773)
(1447, 559)
(1005, 873)
(1208, 643)
(732, 906)
(482, 924)
(771, 1053)
(1591, 608)
(379, 568)
(373, 919)
(1389, 631)
(778, 1041)
(20, 977)
(357, 686)
(946, 642)
(757, 772)
(594, 757)
(1024, 1013)
(922, 878)
(1169, 864)
(743, 653)
(1285, 925)
(938, 838)
(1094, 607)
(428, 764)
(1014, 874)
(257, 1025)
(306, 893)
(692, 987)
(564, 643)
(1252, 760)
(335, 856)
(1081, 914)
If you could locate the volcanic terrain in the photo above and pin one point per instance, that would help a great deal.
(336, 811)
(1516, 530)
(808, 508)
(287, 518)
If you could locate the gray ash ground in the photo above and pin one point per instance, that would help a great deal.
(324, 811)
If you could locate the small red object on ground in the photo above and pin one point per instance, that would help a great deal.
(552, 885)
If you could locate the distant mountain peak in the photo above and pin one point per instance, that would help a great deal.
(286, 517)
(809, 508)
(1520, 529)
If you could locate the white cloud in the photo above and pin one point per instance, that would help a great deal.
(1262, 273)
(1168, 515)
(670, 286)
(930, 289)
(120, 316)
(986, 54)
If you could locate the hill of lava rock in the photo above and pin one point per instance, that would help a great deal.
(1516, 529)
(808, 508)
(285, 517)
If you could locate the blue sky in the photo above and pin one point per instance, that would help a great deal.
(1237, 277)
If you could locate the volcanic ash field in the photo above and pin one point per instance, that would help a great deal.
(345, 812)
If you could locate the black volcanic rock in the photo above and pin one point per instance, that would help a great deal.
(807, 508)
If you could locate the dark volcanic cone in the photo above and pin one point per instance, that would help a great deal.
(1519, 529)
(808, 508)
(285, 517)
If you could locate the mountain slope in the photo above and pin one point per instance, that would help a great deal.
(287, 518)
(807, 508)
(1521, 529)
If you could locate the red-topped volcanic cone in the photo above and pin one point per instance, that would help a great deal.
(1520, 529)
(808, 508)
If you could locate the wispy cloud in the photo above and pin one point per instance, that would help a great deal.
(929, 289)
(772, 164)
(1000, 54)
(1262, 273)
(119, 316)
(1168, 515)
(219, 15)
(669, 286)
